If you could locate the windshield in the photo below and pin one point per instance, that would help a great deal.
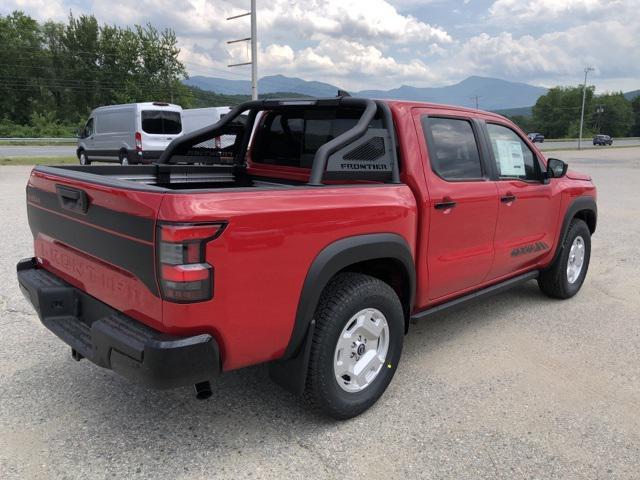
(162, 122)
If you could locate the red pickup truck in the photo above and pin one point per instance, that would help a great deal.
(338, 223)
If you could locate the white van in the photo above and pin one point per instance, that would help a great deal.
(130, 133)
(196, 118)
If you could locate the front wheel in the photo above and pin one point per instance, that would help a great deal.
(565, 277)
(357, 343)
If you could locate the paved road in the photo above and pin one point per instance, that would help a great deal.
(37, 151)
(59, 150)
(518, 386)
(588, 144)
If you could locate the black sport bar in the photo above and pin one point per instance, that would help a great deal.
(181, 144)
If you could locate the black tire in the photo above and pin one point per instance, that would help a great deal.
(554, 281)
(346, 295)
(123, 157)
(83, 158)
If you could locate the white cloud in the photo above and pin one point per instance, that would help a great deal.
(557, 55)
(523, 11)
(41, 9)
(373, 44)
(372, 20)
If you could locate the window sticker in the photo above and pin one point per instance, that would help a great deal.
(510, 158)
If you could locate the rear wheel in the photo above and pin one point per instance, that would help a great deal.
(565, 277)
(123, 157)
(83, 158)
(357, 343)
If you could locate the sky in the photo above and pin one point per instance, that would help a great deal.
(382, 44)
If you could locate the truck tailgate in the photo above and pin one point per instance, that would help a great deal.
(99, 239)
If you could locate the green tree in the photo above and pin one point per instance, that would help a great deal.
(635, 106)
(555, 112)
(611, 114)
(20, 89)
(525, 122)
(53, 74)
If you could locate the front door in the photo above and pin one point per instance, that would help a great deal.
(463, 204)
(88, 135)
(528, 211)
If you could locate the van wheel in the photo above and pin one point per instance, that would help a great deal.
(83, 158)
(123, 158)
(565, 277)
(356, 347)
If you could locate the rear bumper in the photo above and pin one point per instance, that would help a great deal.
(113, 340)
(150, 155)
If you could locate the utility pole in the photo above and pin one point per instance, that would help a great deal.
(476, 98)
(584, 96)
(599, 112)
(254, 48)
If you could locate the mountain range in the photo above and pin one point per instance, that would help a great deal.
(490, 93)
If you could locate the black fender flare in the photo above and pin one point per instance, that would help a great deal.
(578, 205)
(290, 371)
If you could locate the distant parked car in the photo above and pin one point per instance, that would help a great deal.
(602, 140)
(536, 137)
(130, 133)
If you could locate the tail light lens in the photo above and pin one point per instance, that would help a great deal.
(138, 141)
(183, 272)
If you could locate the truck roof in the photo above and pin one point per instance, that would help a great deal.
(440, 106)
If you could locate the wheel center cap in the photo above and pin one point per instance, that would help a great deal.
(361, 349)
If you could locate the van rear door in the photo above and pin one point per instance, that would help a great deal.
(158, 127)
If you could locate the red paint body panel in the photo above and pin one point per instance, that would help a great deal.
(110, 284)
(460, 240)
(272, 236)
(262, 257)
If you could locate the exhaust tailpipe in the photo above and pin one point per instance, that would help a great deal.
(203, 390)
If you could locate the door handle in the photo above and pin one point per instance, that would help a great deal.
(445, 204)
(73, 199)
(508, 198)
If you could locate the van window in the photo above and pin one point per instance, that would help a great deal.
(114, 121)
(88, 129)
(161, 122)
(292, 138)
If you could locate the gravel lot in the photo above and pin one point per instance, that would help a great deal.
(70, 150)
(517, 386)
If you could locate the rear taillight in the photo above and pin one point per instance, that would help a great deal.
(138, 142)
(184, 274)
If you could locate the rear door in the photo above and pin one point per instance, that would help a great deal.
(528, 209)
(159, 127)
(98, 238)
(463, 202)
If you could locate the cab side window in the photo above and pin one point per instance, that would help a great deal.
(453, 151)
(88, 128)
(513, 157)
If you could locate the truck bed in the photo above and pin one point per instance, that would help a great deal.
(160, 178)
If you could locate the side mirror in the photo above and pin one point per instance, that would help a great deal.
(80, 133)
(556, 168)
